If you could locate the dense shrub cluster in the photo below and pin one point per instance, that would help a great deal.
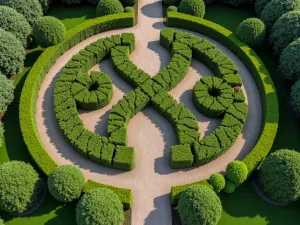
(199, 205)
(49, 31)
(20, 186)
(107, 7)
(229, 187)
(15, 23)
(259, 5)
(31, 9)
(99, 206)
(237, 172)
(218, 182)
(71, 2)
(279, 175)
(12, 54)
(6, 93)
(252, 31)
(129, 2)
(290, 61)
(276, 8)
(170, 2)
(285, 30)
(65, 183)
(192, 7)
(45, 5)
(295, 99)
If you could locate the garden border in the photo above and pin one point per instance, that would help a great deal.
(34, 80)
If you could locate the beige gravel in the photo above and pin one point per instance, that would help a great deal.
(148, 132)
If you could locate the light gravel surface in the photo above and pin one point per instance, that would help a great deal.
(148, 132)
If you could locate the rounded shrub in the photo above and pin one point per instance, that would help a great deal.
(129, 9)
(235, 2)
(229, 187)
(217, 180)
(129, 2)
(107, 7)
(65, 183)
(237, 172)
(99, 206)
(71, 2)
(290, 61)
(31, 9)
(20, 187)
(15, 23)
(192, 7)
(45, 5)
(12, 54)
(279, 175)
(295, 99)
(172, 8)
(252, 31)
(199, 205)
(285, 31)
(6, 93)
(170, 2)
(259, 6)
(276, 8)
(49, 31)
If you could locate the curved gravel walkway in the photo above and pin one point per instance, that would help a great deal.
(148, 132)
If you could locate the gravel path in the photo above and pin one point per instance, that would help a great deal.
(148, 132)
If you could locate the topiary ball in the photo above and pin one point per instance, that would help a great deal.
(129, 9)
(192, 7)
(276, 8)
(107, 7)
(20, 187)
(31, 9)
(237, 172)
(65, 183)
(172, 8)
(15, 23)
(290, 61)
(295, 99)
(7, 88)
(217, 180)
(229, 187)
(71, 2)
(199, 205)
(12, 54)
(252, 31)
(49, 31)
(129, 2)
(170, 2)
(99, 206)
(279, 175)
(285, 31)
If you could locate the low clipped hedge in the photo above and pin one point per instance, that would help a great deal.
(192, 7)
(49, 31)
(34, 81)
(15, 23)
(107, 7)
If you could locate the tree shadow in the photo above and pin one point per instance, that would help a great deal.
(164, 55)
(150, 10)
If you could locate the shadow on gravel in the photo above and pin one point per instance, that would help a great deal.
(151, 11)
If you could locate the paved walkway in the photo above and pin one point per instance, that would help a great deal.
(148, 132)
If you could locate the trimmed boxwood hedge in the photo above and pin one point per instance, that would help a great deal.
(34, 81)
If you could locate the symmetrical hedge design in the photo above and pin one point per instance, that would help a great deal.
(260, 74)
(34, 81)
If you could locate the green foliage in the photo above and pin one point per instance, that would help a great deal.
(12, 54)
(31, 9)
(276, 8)
(279, 175)
(129, 9)
(252, 31)
(15, 23)
(94, 2)
(229, 187)
(65, 183)
(1, 132)
(49, 31)
(124, 158)
(107, 7)
(295, 99)
(181, 156)
(290, 61)
(71, 2)
(237, 172)
(285, 31)
(171, 2)
(192, 7)
(6, 93)
(199, 205)
(129, 2)
(218, 181)
(259, 6)
(99, 206)
(235, 2)
(1, 221)
(20, 187)
(45, 5)
(172, 8)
